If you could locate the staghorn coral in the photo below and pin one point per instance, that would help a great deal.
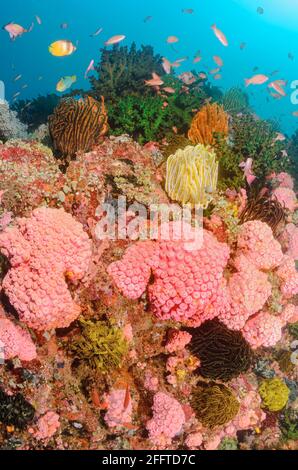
(274, 393)
(43, 251)
(214, 404)
(265, 209)
(78, 125)
(210, 121)
(223, 353)
(101, 345)
(15, 410)
(192, 175)
(10, 126)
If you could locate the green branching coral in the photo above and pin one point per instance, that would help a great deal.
(223, 353)
(214, 404)
(122, 71)
(15, 410)
(289, 425)
(274, 394)
(101, 345)
(228, 443)
(230, 175)
(235, 101)
(293, 329)
(143, 118)
(255, 138)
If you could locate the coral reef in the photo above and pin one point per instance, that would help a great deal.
(192, 175)
(210, 121)
(29, 177)
(77, 125)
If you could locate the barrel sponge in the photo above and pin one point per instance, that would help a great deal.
(214, 404)
(274, 393)
(44, 251)
(192, 175)
(223, 353)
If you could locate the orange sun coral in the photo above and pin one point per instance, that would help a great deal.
(210, 120)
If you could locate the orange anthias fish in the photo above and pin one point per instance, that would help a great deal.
(256, 80)
(115, 40)
(167, 66)
(127, 398)
(295, 113)
(89, 68)
(169, 89)
(276, 85)
(14, 30)
(218, 60)
(172, 39)
(197, 59)
(155, 81)
(212, 72)
(220, 35)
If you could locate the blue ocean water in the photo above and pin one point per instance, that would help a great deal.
(267, 27)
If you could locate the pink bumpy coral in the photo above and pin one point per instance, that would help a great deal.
(48, 425)
(249, 290)
(15, 342)
(168, 419)
(291, 233)
(177, 341)
(256, 242)
(263, 330)
(43, 250)
(187, 276)
(289, 277)
(285, 180)
(286, 197)
(119, 413)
